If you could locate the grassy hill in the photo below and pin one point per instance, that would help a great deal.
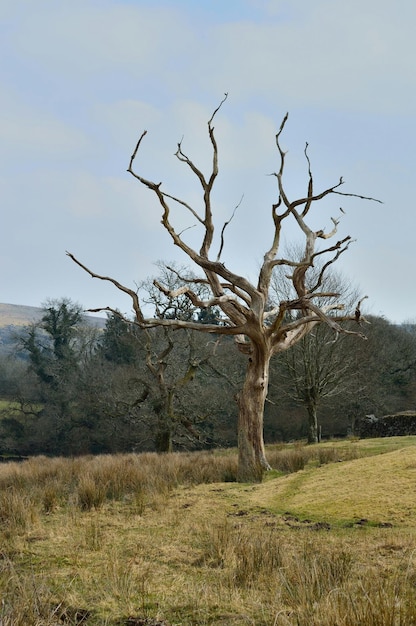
(13, 317)
(21, 315)
(18, 315)
(145, 540)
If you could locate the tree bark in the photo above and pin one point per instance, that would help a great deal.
(252, 460)
(313, 432)
(163, 438)
(165, 417)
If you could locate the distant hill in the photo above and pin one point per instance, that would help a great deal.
(14, 316)
(18, 315)
(21, 315)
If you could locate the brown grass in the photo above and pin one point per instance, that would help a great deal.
(169, 538)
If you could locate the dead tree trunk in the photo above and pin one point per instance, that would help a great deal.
(252, 460)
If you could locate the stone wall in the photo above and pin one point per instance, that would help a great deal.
(398, 424)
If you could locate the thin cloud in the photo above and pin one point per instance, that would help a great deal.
(80, 81)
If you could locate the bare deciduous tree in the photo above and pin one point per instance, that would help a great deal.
(317, 367)
(259, 333)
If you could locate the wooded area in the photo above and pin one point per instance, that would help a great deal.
(68, 388)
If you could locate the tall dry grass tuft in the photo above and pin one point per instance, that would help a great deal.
(312, 572)
(304, 571)
(292, 459)
(368, 600)
(128, 583)
(90, 481)
(17, 511)
(312, 581)
(289, 460)
(94, 538)
(25, 600)
(90, 493)
(334, 454)
(258, 557)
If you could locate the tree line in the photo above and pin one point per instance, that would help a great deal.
(71, 388)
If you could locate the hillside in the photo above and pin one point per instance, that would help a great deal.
(376, 490)
(22, 315)
(13, 317)
(18, 314)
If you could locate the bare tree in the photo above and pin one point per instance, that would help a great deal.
(259, 333)
(317, 367)
(174, 369)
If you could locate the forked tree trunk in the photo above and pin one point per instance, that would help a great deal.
(252, 461)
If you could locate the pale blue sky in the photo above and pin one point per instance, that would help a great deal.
(80, 80)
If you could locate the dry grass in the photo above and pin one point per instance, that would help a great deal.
(170, 539)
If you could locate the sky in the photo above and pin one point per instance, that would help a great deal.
(81, 80)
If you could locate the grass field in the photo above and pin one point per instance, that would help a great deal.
(328, 539)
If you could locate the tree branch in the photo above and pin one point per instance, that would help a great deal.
(225, 226)
(133, 295)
